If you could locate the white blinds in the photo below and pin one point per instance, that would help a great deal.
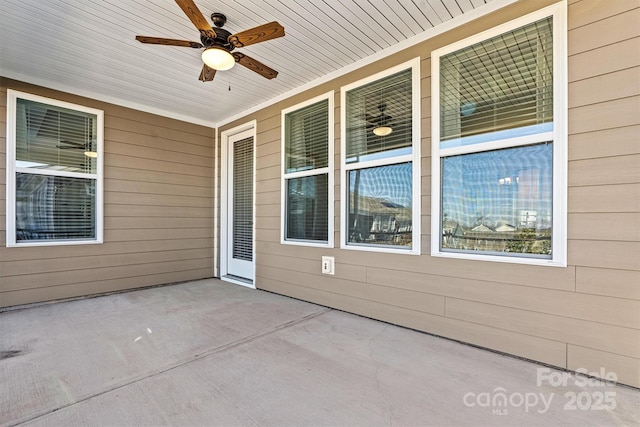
(307, 155)
(307, 135)
(502, 83)
(52, 137)
(243, 199)
(307, 208)
(385, 102)
(54, 208)
(55, 181)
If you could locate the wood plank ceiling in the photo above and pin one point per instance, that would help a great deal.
(89, 48)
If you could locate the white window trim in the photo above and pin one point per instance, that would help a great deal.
(12, 97)
(329, 170)
(414, 158)
(558, 136)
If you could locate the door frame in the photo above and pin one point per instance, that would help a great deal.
(225, 138)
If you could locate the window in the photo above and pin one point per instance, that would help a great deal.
(307, 184)
(499, 143)
(54, 165)
(380, 161)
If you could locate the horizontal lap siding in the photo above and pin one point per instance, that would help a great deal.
(604, 181)
(158, 212)
(586, 315)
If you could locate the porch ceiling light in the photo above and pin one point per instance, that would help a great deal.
(218, 59)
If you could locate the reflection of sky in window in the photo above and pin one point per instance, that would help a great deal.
(499, 187)
(391, 183)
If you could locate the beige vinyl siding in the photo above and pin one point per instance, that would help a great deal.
(586, 315)
(158, 211)
(604, 175)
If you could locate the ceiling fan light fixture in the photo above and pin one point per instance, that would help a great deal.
(382, 130)
(91, 154)
(218, 59)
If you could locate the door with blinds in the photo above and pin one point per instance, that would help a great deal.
(237, 254)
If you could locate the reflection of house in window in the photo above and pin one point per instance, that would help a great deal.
(380, 208)
(505, 228)
(380, 220)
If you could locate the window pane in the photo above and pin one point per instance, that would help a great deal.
(499, 85)
(307, 209)
(54, 208)
(385, 103)
(380, 209)
(498, 201)
(307, 137)
(50, 137)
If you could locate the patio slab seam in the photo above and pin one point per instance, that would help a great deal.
(171, 367)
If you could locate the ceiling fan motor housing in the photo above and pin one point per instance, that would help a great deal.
(221, 40)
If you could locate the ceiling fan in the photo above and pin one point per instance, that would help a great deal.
(85, 147)
(220, 43)
(380, 124)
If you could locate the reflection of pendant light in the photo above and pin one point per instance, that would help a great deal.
(218, 59)
(382, 130)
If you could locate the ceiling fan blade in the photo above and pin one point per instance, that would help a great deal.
(168, 42)
(207, 74)
(193, 13)
(73, 144)
(255, 65)
(258, 34)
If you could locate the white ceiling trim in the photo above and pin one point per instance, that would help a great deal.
(105, 98)
(386, 52)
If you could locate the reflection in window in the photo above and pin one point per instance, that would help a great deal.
(499, 201)
(307, 207)
(55, 190)
(381, 147)
(306, 167)
(380, 208)
(385, 102)
(54, 208)
(502, 86)
(57, 138)
(499, 144)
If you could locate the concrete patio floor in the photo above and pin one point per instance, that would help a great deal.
(209, 353)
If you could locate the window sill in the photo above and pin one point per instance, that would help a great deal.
(382, 249)
(54, 243)
(500, 259)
